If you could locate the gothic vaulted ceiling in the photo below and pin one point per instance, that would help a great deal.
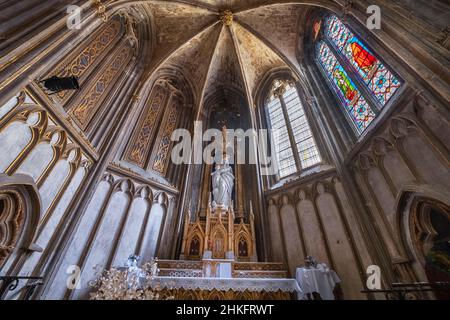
(225, 43)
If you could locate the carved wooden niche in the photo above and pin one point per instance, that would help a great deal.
(194, 246)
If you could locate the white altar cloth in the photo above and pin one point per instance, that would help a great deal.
(322, 281)
(224, 284)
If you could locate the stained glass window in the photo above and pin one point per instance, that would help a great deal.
(356, 106)
(379, 80)
(297, 127)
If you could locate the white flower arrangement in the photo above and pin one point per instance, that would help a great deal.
(126, 283)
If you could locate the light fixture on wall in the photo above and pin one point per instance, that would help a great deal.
(57, 84)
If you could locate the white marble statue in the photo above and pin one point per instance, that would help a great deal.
(222, 185)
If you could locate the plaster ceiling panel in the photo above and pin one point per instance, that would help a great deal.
(175, 24)
(256, 56)
(225, 68)
(237, 5)
(278, 25)
(193, 58)
(233, 5)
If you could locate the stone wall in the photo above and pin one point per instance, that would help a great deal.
(123, 217)
(315, 218)
(408, 156)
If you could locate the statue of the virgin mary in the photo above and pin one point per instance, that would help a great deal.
(222, 182)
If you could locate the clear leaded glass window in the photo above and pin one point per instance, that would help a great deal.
(293, 140)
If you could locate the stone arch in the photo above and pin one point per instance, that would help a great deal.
(423, 221)
(265, 84)
(24, 128)
(45, 154)
(20, 207)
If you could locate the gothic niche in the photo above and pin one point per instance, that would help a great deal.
(11, 221)
(194, 248)
(218, 243)
(242, 248)
(222, 223)
(430, 230)
(18, 218)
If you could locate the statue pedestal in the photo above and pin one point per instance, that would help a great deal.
(229, 255)
(218, 268)
(207, 254)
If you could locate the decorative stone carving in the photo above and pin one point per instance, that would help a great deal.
(140, 144)
(162, 155)
(12, 217)
(79, 64)
(19, 216)
(100, 9)
(86, 108)
(226, 17)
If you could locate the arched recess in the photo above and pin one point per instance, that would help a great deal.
(290, 231)
(20, 207)
(20, 131)
(219, 242)
(243, 243)
(311, 227)
(45, 155)
(81, 238)
(100, 251)
(275, 231)
(155, 224)
(343, 258)
(165, 105)
(195, 245)
(423, 218)
(129, 241)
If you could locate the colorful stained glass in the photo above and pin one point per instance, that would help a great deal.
(354, 103)
(317, 28)
(379, 80)
(384, 84)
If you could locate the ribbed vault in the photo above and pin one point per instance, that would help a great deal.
(219, 44)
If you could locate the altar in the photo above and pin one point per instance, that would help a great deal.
(218, 257)
(187, 288)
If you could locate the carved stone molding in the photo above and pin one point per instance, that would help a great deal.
(19, 215)
(226, 17)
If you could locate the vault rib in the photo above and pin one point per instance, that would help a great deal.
(202, 93)
(192, 3)
(241, 67)
(332, 5)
